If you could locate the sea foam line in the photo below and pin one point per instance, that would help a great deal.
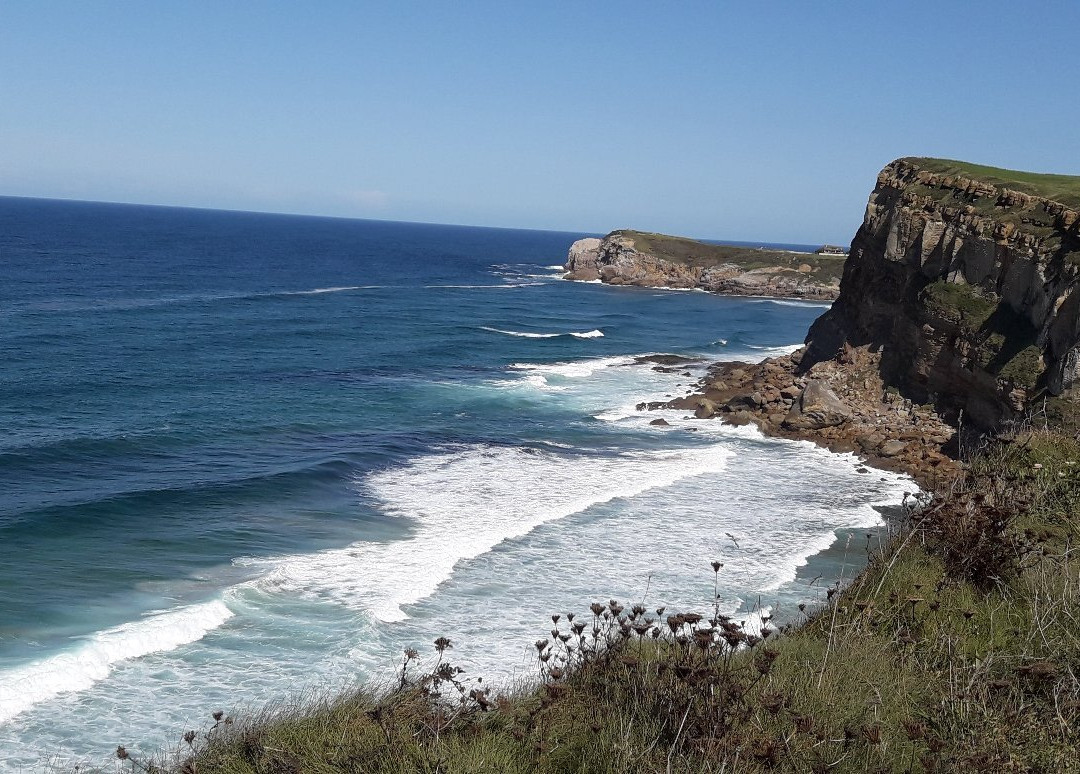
(92, 661)
(459, 505)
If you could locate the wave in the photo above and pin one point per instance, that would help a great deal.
(317, 291)
(504, 286)
(767, 352)
(792, 302)
(575, 368)
(462, 504)
(23, 687)
(593, 334)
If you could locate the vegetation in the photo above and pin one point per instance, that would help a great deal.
(959, 303)
(1061, 188)
(1004, 342)
(823, 268)
(957, 649)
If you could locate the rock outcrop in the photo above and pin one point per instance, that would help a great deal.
(842, 404)
(967, 289)
(657, 260)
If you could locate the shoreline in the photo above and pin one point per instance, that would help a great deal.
(833, 405)
(695, 289)
(828, 301)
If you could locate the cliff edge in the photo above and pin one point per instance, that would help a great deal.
(658, 260)
(964, 279)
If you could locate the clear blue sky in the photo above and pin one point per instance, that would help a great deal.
(730, 120)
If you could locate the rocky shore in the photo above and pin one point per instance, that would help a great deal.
(841, 404)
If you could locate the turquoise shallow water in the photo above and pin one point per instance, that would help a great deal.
(246, 455)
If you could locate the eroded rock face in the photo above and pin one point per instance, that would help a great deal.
(969, 291)
(581, 263)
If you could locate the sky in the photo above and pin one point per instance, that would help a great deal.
(760, 121)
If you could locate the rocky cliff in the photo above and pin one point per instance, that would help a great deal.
(964, 281)
(658, 260)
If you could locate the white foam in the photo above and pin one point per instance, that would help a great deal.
(459, 505)
(792, 302)
(318, 291)
(767, 352)
(593, 334)
(76, 670)
(481, 287)
(521, 333)
(575, 369)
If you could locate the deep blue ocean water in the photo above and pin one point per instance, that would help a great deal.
(244, 456)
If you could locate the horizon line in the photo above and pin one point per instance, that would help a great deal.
(73, 200)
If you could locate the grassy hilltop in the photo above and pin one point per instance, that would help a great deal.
(1062, 188)
(691, 252)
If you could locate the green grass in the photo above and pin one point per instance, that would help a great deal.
(957, 649)
(1003, 342)
(962, 304)
(1061, 188)
(690, 252)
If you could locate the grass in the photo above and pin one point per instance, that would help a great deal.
(957, 649)
(1003, 342)
(964, 305)
(690, 252)
(1061, 188)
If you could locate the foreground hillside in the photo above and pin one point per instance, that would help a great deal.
(658, 260)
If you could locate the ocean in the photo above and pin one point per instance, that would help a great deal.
(249, 457)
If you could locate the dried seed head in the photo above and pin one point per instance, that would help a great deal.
(914, 729)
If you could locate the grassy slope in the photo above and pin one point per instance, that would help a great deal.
(825, 268)
(1062, 188)
(958, 649)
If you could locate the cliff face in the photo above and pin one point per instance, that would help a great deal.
(969, 288)
(656, 260)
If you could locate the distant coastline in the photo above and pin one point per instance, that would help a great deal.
(659, 260)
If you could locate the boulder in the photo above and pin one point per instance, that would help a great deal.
(660, 422)
(817, 407)
(891, 448)
(706, 408)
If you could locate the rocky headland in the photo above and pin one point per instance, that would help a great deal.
(658, 260)
(958, 310)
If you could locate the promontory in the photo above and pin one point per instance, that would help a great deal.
(657, 260)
